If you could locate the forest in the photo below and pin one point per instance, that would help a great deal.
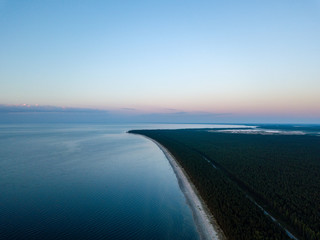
(280, 173)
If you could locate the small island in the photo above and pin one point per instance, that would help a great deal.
(259, 184)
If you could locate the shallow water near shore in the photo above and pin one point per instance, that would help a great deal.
(88, 182)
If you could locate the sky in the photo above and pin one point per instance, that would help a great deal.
(205, 61)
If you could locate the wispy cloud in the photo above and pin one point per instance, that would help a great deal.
(129, 109)
(183, 117)
(25, 108)
(38, 113)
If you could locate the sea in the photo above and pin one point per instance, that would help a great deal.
(89, 181)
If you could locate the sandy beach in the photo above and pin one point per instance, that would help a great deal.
(205, 222)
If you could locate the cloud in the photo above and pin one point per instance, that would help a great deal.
(26, 108)
(129, 109)
(171, 109)
(182, 117)
(24, 113)
(37, 113)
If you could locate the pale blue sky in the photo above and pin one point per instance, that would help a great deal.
(239, 57)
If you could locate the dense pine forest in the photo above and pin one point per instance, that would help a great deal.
(238, 174)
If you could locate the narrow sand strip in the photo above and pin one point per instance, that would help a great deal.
(206, 224)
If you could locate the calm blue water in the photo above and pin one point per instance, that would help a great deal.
(88, 182)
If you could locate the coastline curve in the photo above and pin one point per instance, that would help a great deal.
(206, 224)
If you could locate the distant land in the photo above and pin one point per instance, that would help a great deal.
(259, 182)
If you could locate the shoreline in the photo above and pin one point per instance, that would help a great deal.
(206, 224)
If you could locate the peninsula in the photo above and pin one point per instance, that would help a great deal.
(255, 185)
